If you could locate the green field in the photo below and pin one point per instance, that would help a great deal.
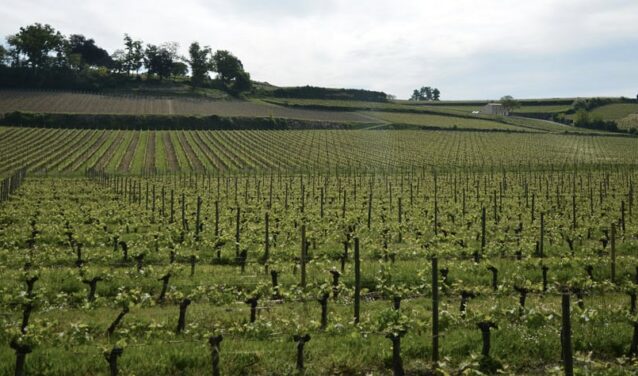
(395, 251)
(108, 218)
(616, 111)
(444, 122)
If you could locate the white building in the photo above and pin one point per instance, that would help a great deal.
(494, 109)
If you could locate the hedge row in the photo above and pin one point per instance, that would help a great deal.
(162, 122)
(312, 92)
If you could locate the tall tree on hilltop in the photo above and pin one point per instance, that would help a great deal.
(510, 103)
(3, 55)
(227, 66)
(36, 42)
(199, 61)
(436, 94)
(416, 95)
(134, 55)
(158, 60)
(87, 52)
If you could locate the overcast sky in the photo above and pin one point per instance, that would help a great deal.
(466, 48)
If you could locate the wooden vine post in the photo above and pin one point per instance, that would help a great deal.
(302, 256)
(237, 231)
(613, 253)
(357, 281)
(198, 222)
(483, 220)
(266, 240)
(435, 311)
(541, 243)
(566, 336)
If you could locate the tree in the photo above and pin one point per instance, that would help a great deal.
(582, 119)
(426, 93)
(230, 71)
(3, 55)
(510, 103)
(88, 53)
(199, 62)
(242, 82)
(158, 60)
(36, 42)
(119, 61)
(227, 66)
(179, 69)
(436, 94)
(134, 55)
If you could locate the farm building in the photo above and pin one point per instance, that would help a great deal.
(494, 109)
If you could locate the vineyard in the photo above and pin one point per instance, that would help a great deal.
(480, 246)
(333, 270)
(91, 103)
(72, 151)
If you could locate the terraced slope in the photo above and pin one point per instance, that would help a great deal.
(88, 103)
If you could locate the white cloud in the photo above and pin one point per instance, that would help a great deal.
(390, 46)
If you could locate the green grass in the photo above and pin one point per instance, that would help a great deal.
(444, 122)
(542, 109)
(616, 111)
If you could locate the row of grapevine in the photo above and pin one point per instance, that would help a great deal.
(223, 152)
(252, 257)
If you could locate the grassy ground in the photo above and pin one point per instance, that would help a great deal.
(439, 121)
(616, 111)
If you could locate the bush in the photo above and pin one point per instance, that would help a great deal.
(311, 92)
(585, 120)
(159, 122)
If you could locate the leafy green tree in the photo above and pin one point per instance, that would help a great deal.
(199, 62)
(242, 82)
(3, 55)
(510, 103)
(582, 119)
(436, 94)
(227, 66)
(416, 95)
(158, 60)
(134, 55)
(119, 61)
(36, 43)
(88, 52)
(426, 93)
(230, 71)
(179, 69)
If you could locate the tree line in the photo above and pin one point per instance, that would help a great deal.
(426, 93)
(37, 50)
